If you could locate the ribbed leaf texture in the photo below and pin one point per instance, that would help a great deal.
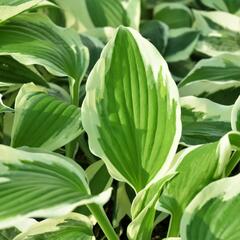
(44, 121)
(131, 110)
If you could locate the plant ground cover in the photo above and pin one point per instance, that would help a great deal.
(119, 119)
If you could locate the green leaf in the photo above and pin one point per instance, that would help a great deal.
(73, 226)
(180, 69)
(203, 120)
(9, 233)
(34, 39)
(40, 184)
(22, 74)
(43, 121)
(235, 118)
(220, 92)
(181, 44)
(11, 8)
(156, 32)
(232, 6)
(219, 32)
(98, 177)
(122, 108)
(100, 14)
(175, 15)
(94, 46)
(225, 67)
(143, 209)
(122, 204)
(4, 108)
(197, 167)
(214, 212)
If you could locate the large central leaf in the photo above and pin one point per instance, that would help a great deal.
(131, 111)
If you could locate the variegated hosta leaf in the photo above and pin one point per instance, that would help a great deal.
(98, 177)
(43, 121)
(131, 111)
(203, 120)
(214, 212)
(222, 92)
(99, 181)
(235, 118)
(225, 67)
(122, 203)
(219, 32)
(201, 164)
(22, 74)
(4, 108)
(156, 32)
(34, 39)
(40, 184)
(12, 232)
(181, 44)
(216, 78)
(11, 8)
(73, 226)
(95, 47)
(175, 15)
(100, 14)
(232, 6)
(180, 69)
(143, 209)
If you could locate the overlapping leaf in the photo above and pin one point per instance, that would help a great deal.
(43, 121)
(225, 67)
(39, 184)
(22, 74)
(175, 15)
(157, 33)
(98, 177)
(203, 120)
(202, 164)
(34, 39)
(181, 44)
(143, 209)
(4, 108)
(232, 6)
(220, 91)
(99, 14)
(235, 117)
(73, 226)
(214, 212)
(11, 8)
(219, 32)
(122, 203)
(216, 78)
(131, 110)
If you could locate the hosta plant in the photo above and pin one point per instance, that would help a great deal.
(119, 120)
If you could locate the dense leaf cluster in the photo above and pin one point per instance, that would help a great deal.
(119, 119)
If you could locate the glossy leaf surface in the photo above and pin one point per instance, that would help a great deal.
(127, 114)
